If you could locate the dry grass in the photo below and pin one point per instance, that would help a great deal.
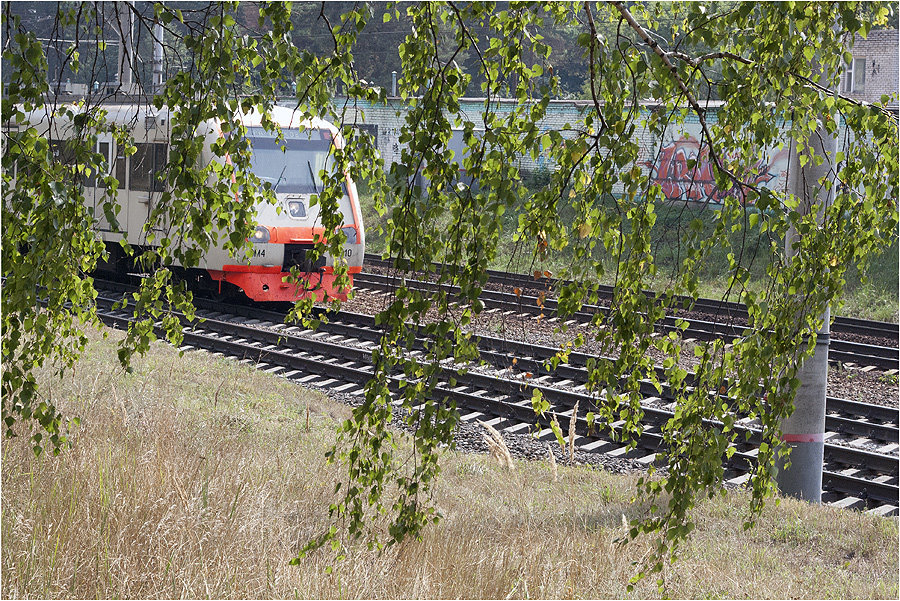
(196, 477)
(497, 446)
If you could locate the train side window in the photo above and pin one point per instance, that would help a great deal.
(121, 166)
(146, 163)
(141, 168)
(61, 152)
(103, 149)
(160, 152)
(96, 178)
(91, 181)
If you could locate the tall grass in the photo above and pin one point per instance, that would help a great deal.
(196, 477)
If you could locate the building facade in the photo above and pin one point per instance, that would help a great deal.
(875, 69)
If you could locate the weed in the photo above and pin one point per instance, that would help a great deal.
(606, 494)
(497, 446)
(554, 471)
(795, 533)
(891, 379)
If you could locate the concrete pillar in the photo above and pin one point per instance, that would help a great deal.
(158, 75)
(124, 22)
(804, 430)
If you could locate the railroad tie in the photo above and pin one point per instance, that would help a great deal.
(471, 416)
(515, 428)
(848, 503)
(883, 510)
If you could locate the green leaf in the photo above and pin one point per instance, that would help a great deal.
(753, 219)
(557, 431)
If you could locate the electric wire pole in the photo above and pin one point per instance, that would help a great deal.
(804, 430)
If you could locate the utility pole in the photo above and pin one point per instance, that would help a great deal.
(157, 57)
(124, 22)
(804, 430)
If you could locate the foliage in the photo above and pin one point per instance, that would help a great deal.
(49, 247)
(769, 66)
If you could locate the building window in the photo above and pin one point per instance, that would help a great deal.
(854, 80)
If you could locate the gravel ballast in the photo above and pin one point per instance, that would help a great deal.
(851, 383)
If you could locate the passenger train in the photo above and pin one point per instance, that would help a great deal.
(284, 232)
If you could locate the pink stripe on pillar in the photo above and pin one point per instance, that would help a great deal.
(820, 437)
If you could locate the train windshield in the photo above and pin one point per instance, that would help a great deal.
(292, 165)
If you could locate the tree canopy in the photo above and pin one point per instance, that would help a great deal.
(774, 67)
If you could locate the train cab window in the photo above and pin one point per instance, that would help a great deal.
(297, 209)
(147, 163)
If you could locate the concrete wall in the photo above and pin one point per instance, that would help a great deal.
(666, 159)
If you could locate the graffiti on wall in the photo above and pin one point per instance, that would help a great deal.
(684, 171)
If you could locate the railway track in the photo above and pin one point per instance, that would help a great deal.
(860, 472)
(726, 310)
(840, 351)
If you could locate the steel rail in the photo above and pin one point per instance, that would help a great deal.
(842, 418)
(845, 415)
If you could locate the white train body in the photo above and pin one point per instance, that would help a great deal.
(282, 237)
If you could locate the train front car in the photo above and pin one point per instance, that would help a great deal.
(287, 231)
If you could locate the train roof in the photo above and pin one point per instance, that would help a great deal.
(139, 116)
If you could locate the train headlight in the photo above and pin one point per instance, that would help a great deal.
(260, 235)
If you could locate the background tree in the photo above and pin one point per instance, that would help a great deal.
(758, 57)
